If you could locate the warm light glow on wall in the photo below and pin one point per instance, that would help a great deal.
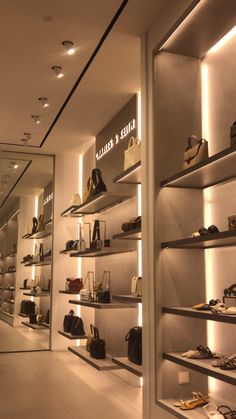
(223, 41)
(205, 102)
(80, 187)
(139, 130)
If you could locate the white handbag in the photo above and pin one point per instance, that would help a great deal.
(75, 200)
(136, 286)
(133, 153)
(86, 293)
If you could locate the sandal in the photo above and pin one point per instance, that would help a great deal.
(219, 308)
(197, 402)
(197, 396)
(228, 414)
(211, 411)
(226, 362)
(203, 352)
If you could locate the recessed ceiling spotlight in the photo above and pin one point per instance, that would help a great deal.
(27, 138)
(44, 102)
(69, 47)
(58, 71)
(36, 119)
(47, 18)
(15, 166)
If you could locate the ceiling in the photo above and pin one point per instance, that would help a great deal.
(31, 36)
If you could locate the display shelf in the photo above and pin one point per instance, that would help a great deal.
(204, 366)
(36, 295)
(38, 235)
(218, 168)
(132, 175)
(70, 336)
(200, 314)
(168, 405)
(96, 204)
(12, 271)
(99, 364)
(23, 315)
(44, 263)
(9, 288)
(9, 302)
(100, 305)
(67, 252)
(106, 251)
(221, 239)
(69, 212)
(34, 326)
(6, 313)
(68, 292)
(46, 325)
(125, 363)
(127, 298)
(24, 288)
(135, 234)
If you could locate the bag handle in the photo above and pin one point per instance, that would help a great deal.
(96, 333)
(87, 279)
(133, 141)
(71, 313)
(96, 176)
(96, 230)
(109, 279)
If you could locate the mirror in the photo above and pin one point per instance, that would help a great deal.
(26, 227)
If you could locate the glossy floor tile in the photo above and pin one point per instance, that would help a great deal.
(58, 385)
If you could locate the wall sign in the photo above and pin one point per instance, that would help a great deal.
(48, 199)
(116, 139)
(48, 202)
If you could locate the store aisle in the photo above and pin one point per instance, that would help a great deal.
(57, 385)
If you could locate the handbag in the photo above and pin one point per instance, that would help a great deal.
(77, 327)
(97, 346)
(27, 307)
(75, 200)
(134, 339)
(41, 225)
(86, 293)
(103, 295)
(75, 284)
(35, 225)
(89, 190)
(68, 320)
(196, 151)
(136, 286)
(89, 338)
(99, 185)
(132, 224)
(233, 134)
(96, 242)
(33, 318)
(133, 153)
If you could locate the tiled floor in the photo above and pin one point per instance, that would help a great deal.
(22, 338)
(58, 385)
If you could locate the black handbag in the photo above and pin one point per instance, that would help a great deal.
(134, 339)
(27, 307)
(132, 224)
(103, 295)
(97, 346)
(68, 320)
(233, 134)
(99, 185)
(96, 240)
(77, 327)
(33, 318)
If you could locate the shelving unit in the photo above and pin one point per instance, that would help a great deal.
(101, 305)
(35, 326)
(134, 234)
(100, 364)
(130, 176)
(221, 239)
(106, 251)
(30, 294)
(199, 314)
(96, 204)
(127, 298)
(68, 292)
(70, 336)
(125, 363)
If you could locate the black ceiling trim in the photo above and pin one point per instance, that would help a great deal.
(26, 168)
(83, 72)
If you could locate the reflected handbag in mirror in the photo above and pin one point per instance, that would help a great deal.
(75, 284)
(99, 185)
(136, 286)
(97, 346)
(133, 153)
(89, 189)
(134, 339)
(196, 151)
(68, 320)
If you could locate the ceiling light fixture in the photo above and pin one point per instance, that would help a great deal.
(36, 119)
(58, 71)
(27, 138)
(15, 166)
(69, 47)
(44, 102)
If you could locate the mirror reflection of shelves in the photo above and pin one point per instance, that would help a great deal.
(42, 326)
(125, 363)
(70, 336)
(135, 234)
(100, 364)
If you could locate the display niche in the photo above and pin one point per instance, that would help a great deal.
(26, 252)
(193, 89)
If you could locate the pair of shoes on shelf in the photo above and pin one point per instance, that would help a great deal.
(221, 308)
(198, 399)
(201, 352)
(227, 412)
(226, 362)
(206, 231)
(205, 306)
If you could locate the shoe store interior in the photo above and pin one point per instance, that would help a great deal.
(117, 209)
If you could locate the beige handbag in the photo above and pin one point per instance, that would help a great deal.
(89, 190)
(196, 152)
(136, 286)
(133, 153)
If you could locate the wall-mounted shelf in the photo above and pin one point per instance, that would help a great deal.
(23, 315)
(68, 292)
(6, 313)
(200, 314)
(12, 271)
(125, 363)
(204, 366)
(96, 204)
(221, 239)
(38, 235)
(70, 336)
(36, 295)
(23, 288)
(100, 305)
(106, 251)
(9, 302)
(127, 298)
(35, 326)
(11, 255)
(9, 288)
(132, 175)
(44, 263)
(99, 364)
(135, 234)
(67, 252)
(218, 168)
